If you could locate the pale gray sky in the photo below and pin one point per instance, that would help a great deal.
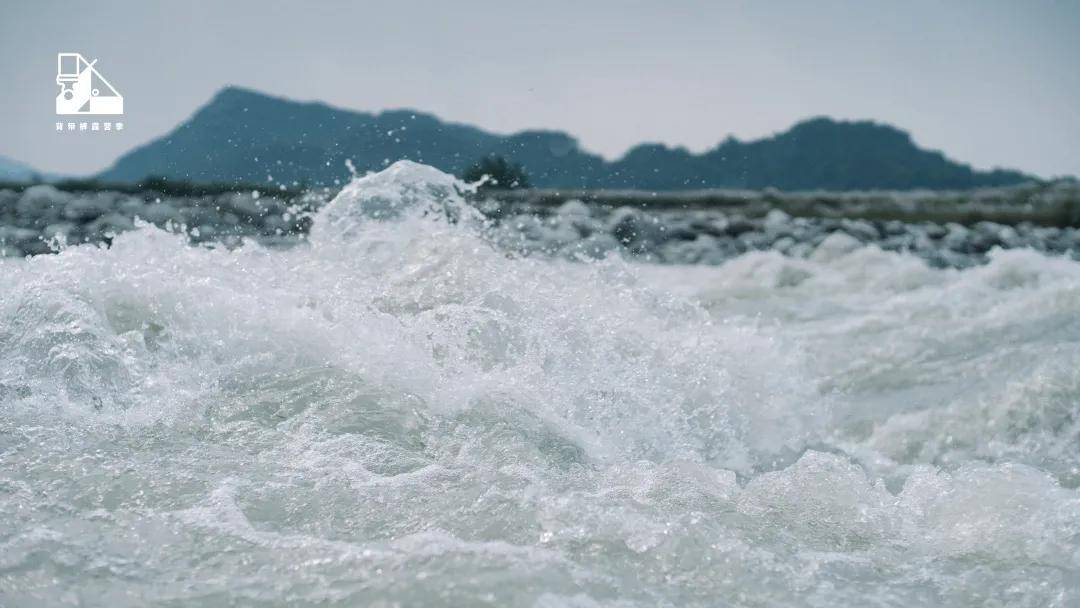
(991, 83)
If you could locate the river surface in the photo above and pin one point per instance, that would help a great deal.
(401, 412)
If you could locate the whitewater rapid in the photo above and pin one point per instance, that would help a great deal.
(402, 412)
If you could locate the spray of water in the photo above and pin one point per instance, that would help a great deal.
(401, 411)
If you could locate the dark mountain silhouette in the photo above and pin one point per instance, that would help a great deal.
(242, 136)
(14, 171)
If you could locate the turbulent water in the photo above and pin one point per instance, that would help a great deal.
(402, 413)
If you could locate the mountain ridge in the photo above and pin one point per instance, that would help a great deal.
(242, 135)
(12, 170)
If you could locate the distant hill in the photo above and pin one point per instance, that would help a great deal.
(14, 171)
(242, 136)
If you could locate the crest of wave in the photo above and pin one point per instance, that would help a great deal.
(400, 289)
(587, 348)
(403, 190)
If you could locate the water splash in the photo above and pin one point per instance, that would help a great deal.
(401, 411)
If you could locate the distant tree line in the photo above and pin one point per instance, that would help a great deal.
(497, 173)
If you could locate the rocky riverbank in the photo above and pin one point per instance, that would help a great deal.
(38, 219)
(711, 237)
(946, 229)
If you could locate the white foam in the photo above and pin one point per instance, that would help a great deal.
(401, 411)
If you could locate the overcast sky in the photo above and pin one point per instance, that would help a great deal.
(990, 83)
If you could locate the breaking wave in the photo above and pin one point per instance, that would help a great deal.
(402, 411)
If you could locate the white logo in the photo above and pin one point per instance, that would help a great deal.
(83, 90)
